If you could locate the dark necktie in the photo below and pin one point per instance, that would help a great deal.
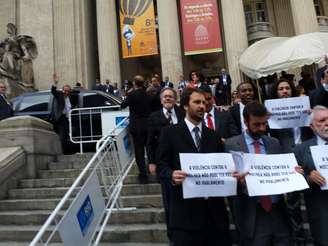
(210, 121)
(197, 137)
(265, 201)
(169, 116)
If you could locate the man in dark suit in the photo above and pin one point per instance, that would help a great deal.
(64, 101)
(154, 91)
(221, 122)
(223, 88)
(196, 221)
(6, 109)
(166, 83)
(316, 200)
(246, 92)
(107, 87)
(259, 220)
(98, 86)
(139, 106)
(170, 114)
(319, 96)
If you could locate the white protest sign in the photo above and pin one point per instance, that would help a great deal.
(320, 159)
(273, 174)
(288, 112)
(208, 175)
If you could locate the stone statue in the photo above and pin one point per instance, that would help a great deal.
(16, 57)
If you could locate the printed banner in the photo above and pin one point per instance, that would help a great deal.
(138, 31)
(272, 174)
(208, 175)
(201, 27)
(320, 159)
(288, 112)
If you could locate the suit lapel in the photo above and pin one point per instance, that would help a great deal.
(242, 143)
(217, 122)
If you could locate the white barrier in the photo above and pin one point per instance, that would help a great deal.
(86, 218)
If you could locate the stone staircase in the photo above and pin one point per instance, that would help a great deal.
(28, 206)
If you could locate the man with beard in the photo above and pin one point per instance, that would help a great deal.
(196, 221)
(316, 200)
(170, 114)
(247, 93)
(260, 220)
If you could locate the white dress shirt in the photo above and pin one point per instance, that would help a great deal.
(241, 109)
(173, 115)
(321, 141)
(212, 117)
(191, 127)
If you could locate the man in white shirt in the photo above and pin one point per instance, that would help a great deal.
(316, 200)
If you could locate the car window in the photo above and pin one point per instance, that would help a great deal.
(96, 100)
(34, 103)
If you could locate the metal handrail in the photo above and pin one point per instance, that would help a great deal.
(105, 142)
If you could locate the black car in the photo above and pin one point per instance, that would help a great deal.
(39, 104)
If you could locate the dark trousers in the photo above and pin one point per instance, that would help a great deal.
(139, 135)
(166, 194)
(215, 232)
(271, 229)
(61, 127)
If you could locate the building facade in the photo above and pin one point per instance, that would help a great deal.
(79, 39)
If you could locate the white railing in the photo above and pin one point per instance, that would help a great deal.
(110, 168)
(86, 124)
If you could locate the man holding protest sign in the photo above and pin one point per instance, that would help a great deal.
(315, 165)
(261, 220)
(195, 221)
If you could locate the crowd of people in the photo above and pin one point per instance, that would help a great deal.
(163, 129)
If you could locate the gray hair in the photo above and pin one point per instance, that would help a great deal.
(316, 109)
(169, 89)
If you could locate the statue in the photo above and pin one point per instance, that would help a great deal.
(16, 57)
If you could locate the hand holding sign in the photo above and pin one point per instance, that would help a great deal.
(288, 112)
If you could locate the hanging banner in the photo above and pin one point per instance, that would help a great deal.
(138, 31)
(201, 27)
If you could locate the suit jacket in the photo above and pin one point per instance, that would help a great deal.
(316, 200)
(224, 124)
(228, 82)
(156, 122)
(286, 137)
(6, 110)
(235, 114)
(244, 206)
(59, 103)
(163, 84)
(138, 102)
(189, 214)
(319, 97)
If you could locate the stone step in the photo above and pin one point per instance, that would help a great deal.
(100, 244)
(115, 233)
(58, 192)
(141, 201)
(76, 157)
(67, 182)
(38, 217)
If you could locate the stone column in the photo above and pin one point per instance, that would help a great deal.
(283, 18)
(35, 18)
(235, 36)
(64, 41)
(169, 38)
(304, 16)
(108, 49)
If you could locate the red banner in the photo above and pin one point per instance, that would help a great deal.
(201, 27)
